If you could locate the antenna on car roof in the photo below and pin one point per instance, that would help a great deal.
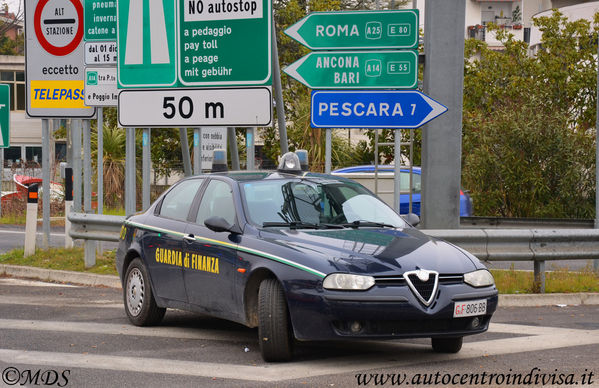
(219, 160)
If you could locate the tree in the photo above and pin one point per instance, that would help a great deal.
(528, 136)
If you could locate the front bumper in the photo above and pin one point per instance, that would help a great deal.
(385, 312)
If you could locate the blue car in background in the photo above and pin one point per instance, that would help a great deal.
(385, 170)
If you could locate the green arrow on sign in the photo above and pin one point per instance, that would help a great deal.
(4, 116)
(357, 70)
(357, 30)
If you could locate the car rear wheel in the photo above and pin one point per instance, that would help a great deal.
(447, 345)
(139, 301)
(274, 327)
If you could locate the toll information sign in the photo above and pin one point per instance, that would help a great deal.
(4, 116)
(100, 86)
(182, 43)
(54, 59)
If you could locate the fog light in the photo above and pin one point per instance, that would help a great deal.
(355, 327)
(475, 323)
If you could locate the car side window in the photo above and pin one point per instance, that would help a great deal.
(405, 182)
(217, 201)
(177, 202)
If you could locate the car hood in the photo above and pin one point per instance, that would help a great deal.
(372, 251)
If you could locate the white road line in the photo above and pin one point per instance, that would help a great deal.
(392, 354)
(125, 329)
(58, 302)
(31, 283)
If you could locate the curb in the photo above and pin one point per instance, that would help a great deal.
(88, 279)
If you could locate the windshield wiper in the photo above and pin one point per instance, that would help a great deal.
(359, 223)
(300, 224)
(291, 224)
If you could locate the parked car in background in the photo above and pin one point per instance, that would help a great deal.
(365, 176)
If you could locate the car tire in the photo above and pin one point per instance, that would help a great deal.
(274, 327)
(140, 305)
(447, 345)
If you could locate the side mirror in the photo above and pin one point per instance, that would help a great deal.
(218, 224)
(412, 219)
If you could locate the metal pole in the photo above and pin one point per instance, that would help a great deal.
(46, 183)
(327, 150)
(276, 67)
(89, 245)
(397, 175)
(87, 167)
(130, 189)
(197, 151)
(250, 149)
(1, 176)
(232, 139)
(100, 188)
(146, 167)
(185, 151)
(442, 137)
(76, 146)
(596, 261)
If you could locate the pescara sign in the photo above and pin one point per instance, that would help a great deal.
(54, 59)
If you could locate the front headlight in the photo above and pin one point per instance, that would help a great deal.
(344, 281)
(480, 278)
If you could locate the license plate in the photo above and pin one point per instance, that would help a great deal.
(470, 308)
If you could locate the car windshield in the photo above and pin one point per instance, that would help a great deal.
(315, 203)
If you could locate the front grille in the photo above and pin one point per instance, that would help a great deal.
(400, 281)
(425, 289)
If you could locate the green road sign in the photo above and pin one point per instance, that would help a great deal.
(357, 30)
(100, 20)
(224, 42)
(4, 116)
(146, 41)
(218, 43)
(357, 70)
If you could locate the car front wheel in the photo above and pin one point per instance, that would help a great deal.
(447, 345)
(139, 301)
(274, 328)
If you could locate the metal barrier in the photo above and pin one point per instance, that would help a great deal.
(537, 245)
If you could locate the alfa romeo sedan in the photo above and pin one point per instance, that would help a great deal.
(300, 256)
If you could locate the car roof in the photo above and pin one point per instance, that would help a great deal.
(248, 176)
(370, 168)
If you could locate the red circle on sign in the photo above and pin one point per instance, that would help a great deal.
(49, 47)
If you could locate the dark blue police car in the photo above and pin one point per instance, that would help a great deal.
(301, 256)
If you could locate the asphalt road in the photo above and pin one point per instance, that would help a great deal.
(81, 336)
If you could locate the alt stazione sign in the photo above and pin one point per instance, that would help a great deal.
(54, 59)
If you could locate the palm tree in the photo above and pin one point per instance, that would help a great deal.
(114, 163)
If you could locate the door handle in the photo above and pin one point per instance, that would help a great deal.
(189, 238)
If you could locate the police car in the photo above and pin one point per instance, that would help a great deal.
(301, 256)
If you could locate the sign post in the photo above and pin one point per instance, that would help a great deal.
(4, 130)
(54, 59)
(195, 45)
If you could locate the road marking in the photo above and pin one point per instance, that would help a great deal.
(57, 302)
(29, 283)
(391, 354)
(127, 329)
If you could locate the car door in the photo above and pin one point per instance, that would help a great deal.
(163, 243)
(211, 276)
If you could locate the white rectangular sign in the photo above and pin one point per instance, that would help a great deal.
(250, 107)
(100, 86)
(100, 53)
(212, 138)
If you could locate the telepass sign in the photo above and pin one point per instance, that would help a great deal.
(54, 59)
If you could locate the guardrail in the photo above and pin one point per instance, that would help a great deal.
(537, 245)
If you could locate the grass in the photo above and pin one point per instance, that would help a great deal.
(507, 281)
(556, 280)
(61, 258)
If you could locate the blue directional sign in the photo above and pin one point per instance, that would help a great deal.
(373, 109)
